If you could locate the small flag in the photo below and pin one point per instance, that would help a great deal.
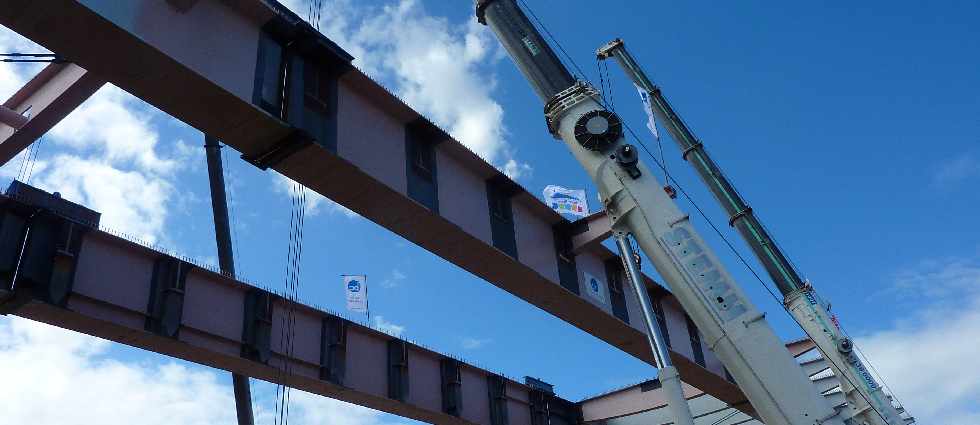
(594, 287)
(356, 287)
(648, 108)
(566, 201)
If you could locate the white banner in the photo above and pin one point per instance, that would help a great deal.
(566, 201)
(356, 287)
(648, 108)
(594, 287)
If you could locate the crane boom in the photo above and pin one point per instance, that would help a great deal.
(636, 205)
(865, 398)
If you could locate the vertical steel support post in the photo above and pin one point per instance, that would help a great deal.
(226, 261)
(669, 379)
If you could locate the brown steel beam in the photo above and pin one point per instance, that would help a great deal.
(629, 401)
(801, 346)
(208, 79)
(11, 118)
(648, 396)
(591, 231)
(75, 277)
(42, 103)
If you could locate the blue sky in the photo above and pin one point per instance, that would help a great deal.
(852, 130)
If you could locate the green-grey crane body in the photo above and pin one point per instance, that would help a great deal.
(866, 402)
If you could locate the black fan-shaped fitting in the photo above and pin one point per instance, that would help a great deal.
(598, 130)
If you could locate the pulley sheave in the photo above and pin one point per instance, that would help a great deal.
(598, 130)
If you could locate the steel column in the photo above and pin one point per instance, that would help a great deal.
(226, 261)
(670, 380)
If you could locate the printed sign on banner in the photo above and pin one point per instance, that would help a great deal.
(594, 287)
(356, 287)
(648, 108)
(566, 201)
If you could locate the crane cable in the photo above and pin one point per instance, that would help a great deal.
(606, 80)
(762, 282)
(602, 81)
(298, 200)
(745, 262)
(29, 160)
(731, 247)
(24, 162)
(294, 255)
(314, 13)
(31, 58)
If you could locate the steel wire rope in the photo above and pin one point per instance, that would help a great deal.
(229, 176)
(280, 386)
(284, 336)
(611, 106)
(291, 350)
(299, 197)
(602, 83)
(31, 58)
(298, 200)
(25, 157)
(555, 40)
(31, 161)
(785, 255)
(717, 171)
(690, 199)
(873, 368)
(28, 55)
(745, 263)
(612, 96)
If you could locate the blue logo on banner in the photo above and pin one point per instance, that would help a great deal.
(595, 285)
(564, 196)
(354, 286)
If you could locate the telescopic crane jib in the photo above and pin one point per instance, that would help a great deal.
(637, 205)
(865, 398)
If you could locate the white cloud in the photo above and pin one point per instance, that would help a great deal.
(105, 155)
(394, 279)
(314, 409)
(442, 69)
(130, 201)
(13, 76)
(315, 202)
(956, 170)
(379, 323)
(470, 343)
(116, 126)
(515, 170)
(929, 357)
(53, 376)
